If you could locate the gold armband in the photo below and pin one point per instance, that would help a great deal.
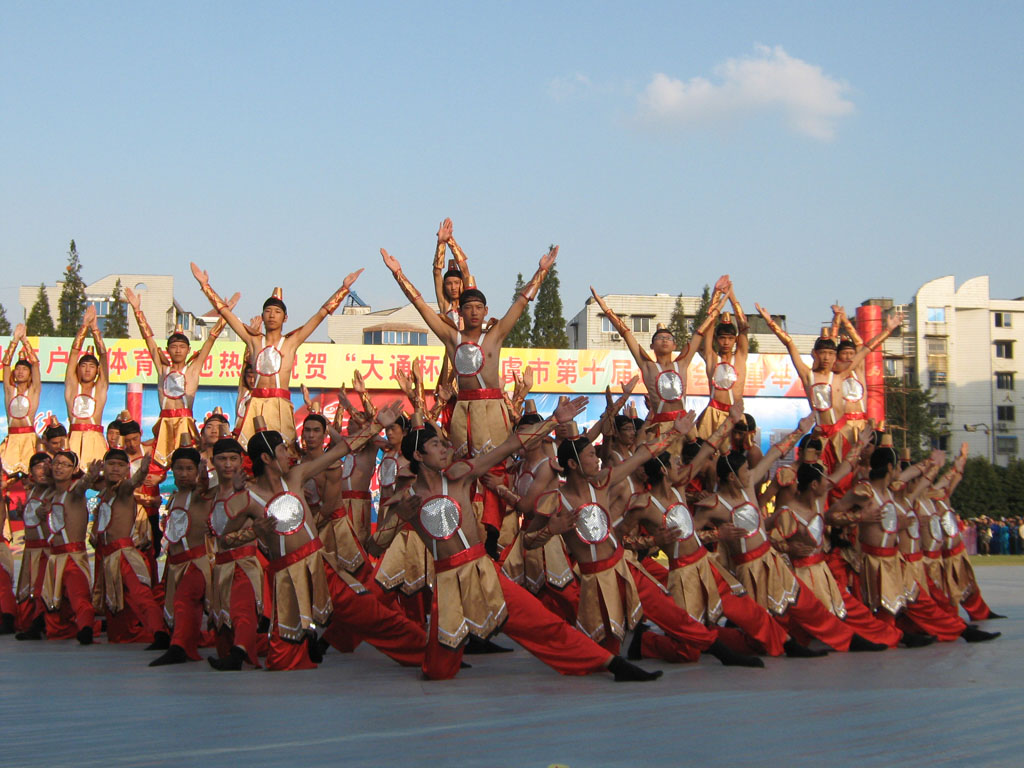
(468, 281)
(532, 288)
(407, 288)
(30, 354)
(211, 295)
(144, 328)
(439, 256)
(777, 330)
(9, 353)
(79, 338)
(335, 301)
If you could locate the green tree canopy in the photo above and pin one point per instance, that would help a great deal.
(548, 323)
(908, 416)
(72, 296)
(982, 491)
(117, 315)
(40, 322)
(677, 324)
(519, 336)
(5, 324)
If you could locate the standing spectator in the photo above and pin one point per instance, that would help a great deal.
(969, 535)
(984, 535)
(1004, 537)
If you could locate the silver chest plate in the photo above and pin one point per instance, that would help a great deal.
(268, 361)
(83, 407)
(890, 517)
(219, 518)
(914, 529)
(18, 407)
(288, 513)
(817, 530)
(469, 359)
(725, 376)
(177, 525)
(243, 406)
(31, 514)
(174, 385)
(55, 520)
(348, 465)
(821, 397)
(949, 524)
(592, 523)
(853, 390)
(747, 517)
(103, 515)
(935, 529)
(440, 517)
(523, 483)
(669, 385)
(388, 471)
(311, 492)
(678, 516)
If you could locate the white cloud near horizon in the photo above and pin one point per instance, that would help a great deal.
(769, 81)
(565, 87)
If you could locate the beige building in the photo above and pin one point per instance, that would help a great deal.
(156, 294)
(398, 325)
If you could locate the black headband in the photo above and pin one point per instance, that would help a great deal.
(227, 445)
(116, 454)
(190, 454)
(178, 337)
(273, 301)
(38, 458)
(472, 294)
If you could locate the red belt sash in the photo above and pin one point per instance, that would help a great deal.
(719, 406)
(689, 559)
(189, 554)
(86, 427)
(356, 495)
(831, 429)
(106, 550)
(954, 551)
(912, 557)
(238, 553)
(307, 549)
(481, 394)
(66, 549)
(20, 430)
(459, 558)
(602, 565)
(667, 416)
(807, 562)
(935, 554)
(36, 544)
(339, 513)
(746, 557)
(867, 549)
(173, 413)
(265, 392)
(856, 416)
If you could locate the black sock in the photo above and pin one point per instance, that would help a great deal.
(630, 673)
(858, 644)
(85, 635)
(174, 655)
(796, 651)
(731, 658)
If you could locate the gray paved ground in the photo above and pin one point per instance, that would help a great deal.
(62, 705)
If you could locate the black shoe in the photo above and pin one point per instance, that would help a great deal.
(975, 635)
(85, 636)
(731, 658)
(491, 543)
(316, 650)
(464, 665)
(859, 644)
(34, 632)
(232, 663)
(263, 626)
(630, 673)
(7, 624)
(635, 652)
(991, 615)
(477, 647)
(796, 651)
(161, 642)
(175, 655)
(914, 640)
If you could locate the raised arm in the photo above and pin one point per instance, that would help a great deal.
(638, 352)
(326, 310)
(71, 373)
(604, 423)
(742, 326)
(443, 233)
(718, 297)
(625, 468)
(342, 446)
(127, 486)
(781, 448)
(101, 347)
(222, 307)
(839, 313)
(8, 357)
(437, 324)
(468, 281)
(892, 322)
(528, 294)
(155, 352)
(785, 338)
(714, 441)
(218, 328)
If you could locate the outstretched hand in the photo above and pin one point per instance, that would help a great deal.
(570, 409)
(548, 259)
(200, 274)
(444, 231)
(390, 261)
(387, 415)
(352, 277)
(763, 312)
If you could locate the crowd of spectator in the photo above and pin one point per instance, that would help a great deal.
(999, 535)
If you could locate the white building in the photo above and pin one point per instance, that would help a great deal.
(397, 325)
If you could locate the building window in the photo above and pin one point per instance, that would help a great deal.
(935, 346)
(1004, 381)
(936, 314)
(411, 338)
(1004, 350)
(1005, 413)
(939, 410)
(936, 378)
(1006, 445)
(1003, 320)
(641, 324)
(940, 442)
(890, 366)
(606, 325)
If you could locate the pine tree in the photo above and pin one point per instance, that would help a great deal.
(117, 315)
(548, 323)
(677, 323)
(72, 296)
(39, 322)
(753, 345)
(519, 336)
(906, 411)
(5, 324)
(703, 308)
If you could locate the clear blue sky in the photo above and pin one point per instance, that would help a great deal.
(660, 145)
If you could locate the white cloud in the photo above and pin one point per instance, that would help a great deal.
(770, 80)
(565, 87)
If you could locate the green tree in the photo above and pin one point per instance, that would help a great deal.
(907, 412)
(72, 296)
(1013, 484)
(117, 315)
(753, 345)
(548, 323)
(40, 322)
(677, 323)
(5, 324)
(981, 492)
(519, 336)
(702, 309)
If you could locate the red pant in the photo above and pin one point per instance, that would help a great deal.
(76, 611)
(28, 610)
(755, 621)
(244, 622)
(188, 611)
(7, 602)
(692, 636)
(563, 602)
(925, 615)
(534, 627)
(139, 606)
(808, 614)
(975, 606)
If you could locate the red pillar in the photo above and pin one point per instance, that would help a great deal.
(869, 325)
(133, 401)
